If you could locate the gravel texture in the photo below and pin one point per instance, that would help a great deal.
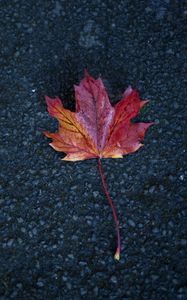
(57, 234)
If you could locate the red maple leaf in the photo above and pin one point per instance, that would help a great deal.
(96, 129)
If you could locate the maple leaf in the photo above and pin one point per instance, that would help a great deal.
(97, 129)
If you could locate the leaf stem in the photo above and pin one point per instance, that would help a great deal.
(117, 253)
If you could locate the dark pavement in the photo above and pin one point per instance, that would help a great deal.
(57, 234)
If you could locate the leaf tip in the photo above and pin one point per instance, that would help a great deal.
(47, 98)
(128, 91)
(46, 133)
(86, 74)
(142, 103)
(52, 101)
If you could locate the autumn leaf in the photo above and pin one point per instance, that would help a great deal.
(97, 129)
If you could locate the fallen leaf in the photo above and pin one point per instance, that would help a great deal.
(97, 129)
